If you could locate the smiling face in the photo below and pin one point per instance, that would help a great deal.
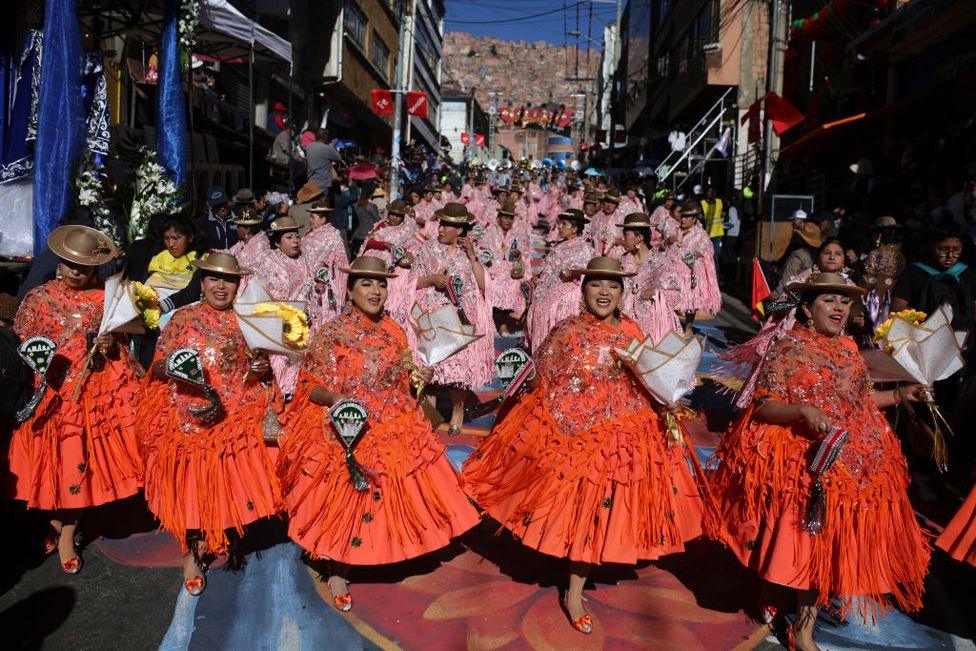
(831, 258)
(74, 275)
(219, 289)
(290, 244)
(448, 233)
(828, 313)
(368, 295)
(175, 242)
(505, 221)
(602, 296)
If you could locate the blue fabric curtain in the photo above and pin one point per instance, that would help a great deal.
(171, 135)
(60, 118)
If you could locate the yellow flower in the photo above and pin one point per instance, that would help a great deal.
(146, 296)
(151, 318)
(914, 317)
(295, 321)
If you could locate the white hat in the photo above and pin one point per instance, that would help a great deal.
(800, 214)
(696, 190)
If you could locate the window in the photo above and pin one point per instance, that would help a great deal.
(354, 22)
(379, 54)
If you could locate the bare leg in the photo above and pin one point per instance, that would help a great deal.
(574, 595)
(67, 527)
(806, 616)
(192, 568)
(337, 579)
(457, 408)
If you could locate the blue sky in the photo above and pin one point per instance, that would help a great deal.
(470, 16)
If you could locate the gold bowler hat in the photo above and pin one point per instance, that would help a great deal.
(574, 215)
(603, 267)
(284, 224)
(247, 217)
(455, 214)
(367, 266)
(826, 282)
(636, 220)
(82, 245)
(222, 263)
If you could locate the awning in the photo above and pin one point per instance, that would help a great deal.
(228, 30)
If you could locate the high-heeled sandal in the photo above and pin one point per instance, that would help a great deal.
(51, 542)
(582, 624)
(196, 585)
(73, 565)
(453, 430)
(342, 602)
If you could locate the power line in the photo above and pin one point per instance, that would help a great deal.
(512, 20)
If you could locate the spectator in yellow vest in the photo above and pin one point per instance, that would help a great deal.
(712, 215)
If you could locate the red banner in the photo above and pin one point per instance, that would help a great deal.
(753, 118)
(565, 118)
(417, 103)
(465, 138)
(781, 113)
(479, 140)
(382, 101)
(507, 114)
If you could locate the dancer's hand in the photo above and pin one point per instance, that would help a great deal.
(814, 419)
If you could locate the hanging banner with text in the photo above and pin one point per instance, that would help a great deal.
(417, 103)
(382, 101)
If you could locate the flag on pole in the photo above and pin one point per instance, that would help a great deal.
(755, 122)
(479, 140)
(465, 138)
(382, 101)
(760, 290)
(782, 114)
(417, 103)
(172, 142)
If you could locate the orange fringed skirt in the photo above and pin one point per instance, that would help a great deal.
(414, 505)
(208, 481)
(870, 545)
(616, 493)
(72, 455)
(959, 537)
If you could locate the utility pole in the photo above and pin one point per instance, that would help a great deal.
(400, 74)
(492, 115)
(779, 14)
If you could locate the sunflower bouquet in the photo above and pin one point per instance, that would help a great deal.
(147, 302)
(914, 317)
(294, 321)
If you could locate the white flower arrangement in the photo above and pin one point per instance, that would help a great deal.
(89, 187)
(188, 21)
(155, 193)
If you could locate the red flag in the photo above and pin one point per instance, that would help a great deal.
(479, 140)
(752, 116)
(465, 138)
(417, 103)
(382, 101)
(507, 114)
(565, 118)
(782, 114)
(760, 290)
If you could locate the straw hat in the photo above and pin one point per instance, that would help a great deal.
(222, 263)
(574, 215)
(810, 233)
(82, 245)
(455, 214)
(636, 220)
(284, 224)
(398, 207)
(247, 217)
(603, 267)
(826, 282)
(507, 208)
(367, 266)
(320, 207)
(309, 192)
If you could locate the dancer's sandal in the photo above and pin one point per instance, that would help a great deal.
(453, 430)
(73, 565)
(342, 602)
(51, 541)
(582, 624)
(196, 585)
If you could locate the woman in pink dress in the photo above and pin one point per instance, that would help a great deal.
(278, 262)
(665, 225)
(248, 225)
(395, 241)
(631, 202)
(556, 291)
(324, 247)
(511, 265)
(438, 262)
(691, 255)
(650, 297)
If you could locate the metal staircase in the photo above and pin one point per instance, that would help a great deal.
(700, 146)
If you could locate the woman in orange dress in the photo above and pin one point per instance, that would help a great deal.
(78, 447)
(959, 538)
(414, 503)
(581, 467)
(208, 474)
(866, 543)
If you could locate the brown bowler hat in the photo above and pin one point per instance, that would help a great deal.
(367, 266)
(309, 192)
(636, 220)
(398, 207)
(592, 197)
(222, 263)
(284, 224)
(603, 266)
(320, 206)
(826, 282)
(574, 215)
(612, 196)
(454, 214)
(247, 217)
(82, 245)
(507, 208)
